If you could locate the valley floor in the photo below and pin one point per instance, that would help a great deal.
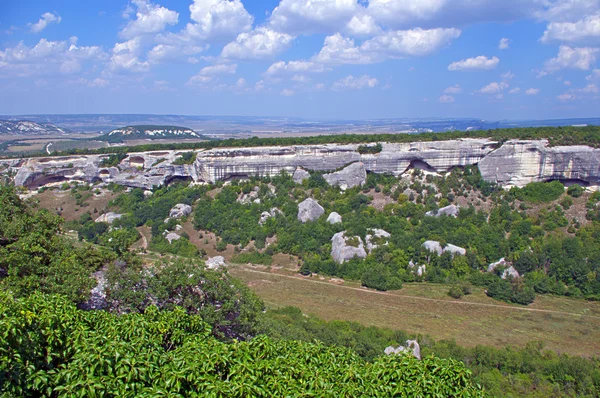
(564, 325)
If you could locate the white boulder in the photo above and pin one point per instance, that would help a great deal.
(215, 262)
(334, 218)
(342, 251)
(309, 210)
(109, 217)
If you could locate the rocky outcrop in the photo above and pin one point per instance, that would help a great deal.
(178, 211)
(509, 270)
(344, 249)
(268, 214)
(412, 347)
(171, 236)
(435, 247)
(215, 263)
(97, 300)
(512, 163)
(300, 175)
(521, 162)
(309, 210)
(376, 238)
(450, 211)
(109, 217)
(355, 175)
(334, 218)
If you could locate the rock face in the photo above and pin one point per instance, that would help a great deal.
(342, 251)
(97, 300)
(512, 163)
(412, 346)
(300, 175)
(215, 262)
(180, 210)
(521, 162)
(375, 238)
(509, 270)
(171, 236)
(436, 247)
(266, 215)
(109, 217)
(355, 175)
(309, 210)
(334, 218)
(450, 211)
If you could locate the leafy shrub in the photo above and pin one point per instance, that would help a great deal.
(575, 190)
(51, 348)
(370, 149)
(540, 192)
(185, 158)
(252, 258)
(113, 160)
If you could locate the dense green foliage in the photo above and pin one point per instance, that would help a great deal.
(113, 160)
(185, 158)
(538, 192)
(370, 149)
(33, 257)
(49, 348)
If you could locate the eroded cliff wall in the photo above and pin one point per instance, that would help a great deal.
(512, 163)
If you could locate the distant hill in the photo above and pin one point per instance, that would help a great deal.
(24, 127)
(149, 132)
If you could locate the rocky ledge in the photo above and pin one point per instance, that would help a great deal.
(514, 162)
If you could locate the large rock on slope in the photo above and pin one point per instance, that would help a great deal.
(300, 175)
(334, 218)
(436, 247)
(342, 251)
(309, 210)
(355, 175)
(180, 210)
(109, 217)
(450, 211)
(412, 346)
(376, 238)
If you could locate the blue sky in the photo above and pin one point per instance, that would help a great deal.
(341, 59)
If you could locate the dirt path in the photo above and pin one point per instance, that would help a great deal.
(369, 291)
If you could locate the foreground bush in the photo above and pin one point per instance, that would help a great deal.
(49, 348)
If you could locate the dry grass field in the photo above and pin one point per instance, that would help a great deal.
(564, 325)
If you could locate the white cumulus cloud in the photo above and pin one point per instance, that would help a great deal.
(220, 69)
(574, 58)
(293, 67)
(494, 88)
(150, 18)
(480, 62)
(298, 17)
(259, 44)
(582, 31)
(355, 83)
(446, 99)
(566, 97)
(504, 44)
(46, 19)
(286, 92)
(532, 91)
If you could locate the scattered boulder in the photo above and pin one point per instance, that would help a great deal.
(109, 217)
(436, 247)
(412, 347)
(180, 210)
(500, 263)
(215, 262)
(509, 270)
(247, 198)
(450, 211)
(334, 218)
(171, 236)
(309, 210)
(344, 248)
(266, 215)
(354, 175)
(375, 238)
(300, 175)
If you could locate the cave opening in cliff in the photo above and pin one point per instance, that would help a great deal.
(136, 161)
(567, 182)
(421, 165)
(178, 179)
(45, 180)
(236, 177)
